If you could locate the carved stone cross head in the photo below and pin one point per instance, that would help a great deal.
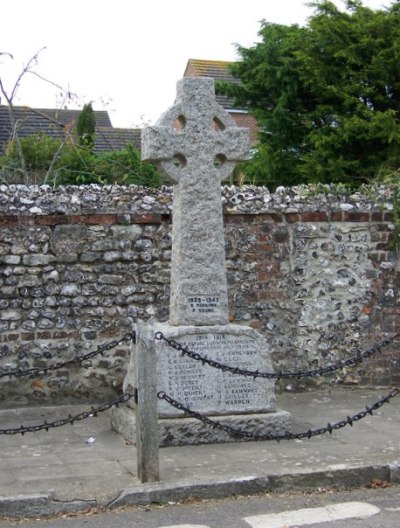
(196, 145)
(196, 133)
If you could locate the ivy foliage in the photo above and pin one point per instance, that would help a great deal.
(326, 96)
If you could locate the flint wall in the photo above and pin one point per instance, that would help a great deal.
(79, 265)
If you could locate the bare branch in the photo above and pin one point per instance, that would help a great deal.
(26, 69)
(68, 94)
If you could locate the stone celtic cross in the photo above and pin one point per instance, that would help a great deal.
(196, 145)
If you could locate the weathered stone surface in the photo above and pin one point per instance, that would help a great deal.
(11, 259)
(190, 431)
(210, 390)
(10, 315)
(240, 402)
(197, 155)
(37, 260)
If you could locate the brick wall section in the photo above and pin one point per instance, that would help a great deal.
(79, 266)
(242, 119)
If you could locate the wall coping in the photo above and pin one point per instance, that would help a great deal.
(23, 200)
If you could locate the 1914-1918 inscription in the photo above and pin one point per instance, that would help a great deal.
(207, 389)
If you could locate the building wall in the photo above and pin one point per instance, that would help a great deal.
(243, 119)
(79, 265)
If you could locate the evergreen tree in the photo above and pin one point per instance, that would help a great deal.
(326, 96)
(86, 127)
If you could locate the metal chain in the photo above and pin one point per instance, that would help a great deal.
(78, 360)
(277, 375)
(284, 436)
(94, 411)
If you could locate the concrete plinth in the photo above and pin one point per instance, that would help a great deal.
(189, 431)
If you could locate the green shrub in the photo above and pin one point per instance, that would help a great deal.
(74, 166)
(38, 151)
(48, 160)
(125, 167)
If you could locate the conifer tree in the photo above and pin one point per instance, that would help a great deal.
(86, 127)
(326, 96)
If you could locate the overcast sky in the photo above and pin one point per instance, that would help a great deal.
(125, 55)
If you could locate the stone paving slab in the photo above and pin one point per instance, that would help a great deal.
(49, 472)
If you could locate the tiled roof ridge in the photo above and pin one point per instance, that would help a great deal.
(202, 64)
(56, 123)
(47, 113)
(212, 61)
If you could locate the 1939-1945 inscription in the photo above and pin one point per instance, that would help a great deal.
(204, 303)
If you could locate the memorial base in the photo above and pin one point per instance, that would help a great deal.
(232, 399)
(190, 431)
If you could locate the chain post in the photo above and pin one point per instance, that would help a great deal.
(147, 434)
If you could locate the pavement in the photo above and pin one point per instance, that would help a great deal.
(87, 465)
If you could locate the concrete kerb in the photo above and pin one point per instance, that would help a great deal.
(42, 505)
(394, 472)
(344, 478)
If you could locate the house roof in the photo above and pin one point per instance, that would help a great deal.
(217, 70)
(109, 139)
(58, 123)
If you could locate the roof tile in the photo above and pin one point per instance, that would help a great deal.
(58, 124)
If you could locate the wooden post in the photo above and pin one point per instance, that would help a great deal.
(147, 434)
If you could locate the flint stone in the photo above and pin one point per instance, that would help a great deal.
(71, 290)
(11, 259)
(69, 238)
(10, 315)
(37, 260)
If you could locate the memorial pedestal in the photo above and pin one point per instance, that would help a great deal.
(240, 402)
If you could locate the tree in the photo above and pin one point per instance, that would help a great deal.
(39, 158)
(86, 127)
(326, 96)
(38, 152)
(9, 97)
